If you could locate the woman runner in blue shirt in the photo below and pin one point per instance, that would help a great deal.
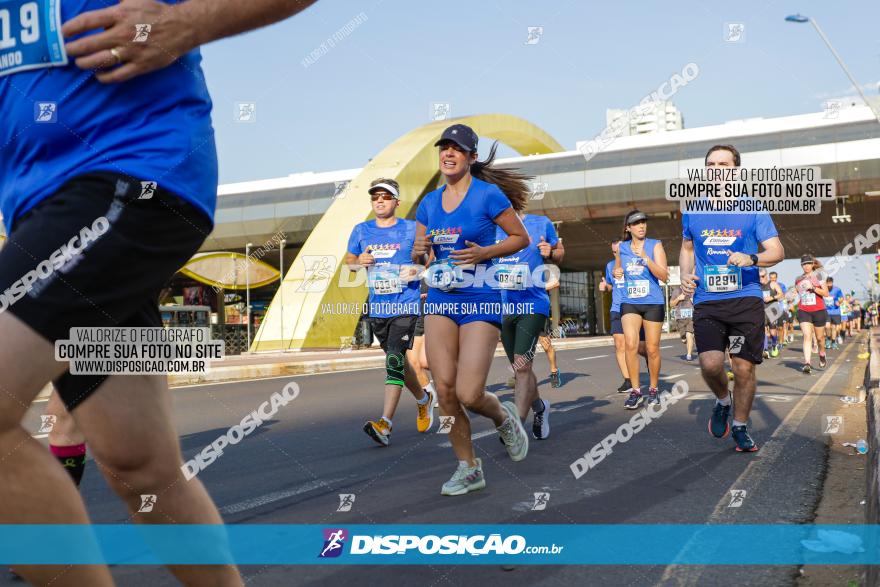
(457, 222)
(641, 262)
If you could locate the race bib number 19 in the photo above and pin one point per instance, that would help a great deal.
(30, 35)
(723, 278)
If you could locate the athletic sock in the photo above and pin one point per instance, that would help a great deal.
(424, 399)
(538, 406)
(387, 420)
(723, 402)
(738, 423)
(72, 458)
(430, 387)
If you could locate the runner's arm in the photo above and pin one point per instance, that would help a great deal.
(176, 30)
(686, 266)
(778, 295)
(772, 254)
(657, 266)
(558, 252)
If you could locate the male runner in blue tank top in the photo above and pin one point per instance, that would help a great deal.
(108, 184)
(522, 278)
(719, 263)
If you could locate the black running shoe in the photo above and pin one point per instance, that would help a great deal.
(806, 368)
(554, 379)
(625, 386)
(719, 424)
(744, 442)
(634, 400)
(823, 361)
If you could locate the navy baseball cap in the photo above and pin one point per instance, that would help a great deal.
(462, 135)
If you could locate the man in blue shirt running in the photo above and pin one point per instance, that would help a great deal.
(719, 263)
(108, 184)
(832, 305)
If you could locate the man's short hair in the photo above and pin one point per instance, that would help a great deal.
(736, 158)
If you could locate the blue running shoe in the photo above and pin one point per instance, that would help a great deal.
(634, 400)
(653, 396)
(744, 442)
(719, 424)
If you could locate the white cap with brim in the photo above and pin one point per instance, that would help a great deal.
(384, 186)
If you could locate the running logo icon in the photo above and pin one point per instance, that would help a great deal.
(539, 190)
(147, 504)
(346, 500)
(833, 424)
(534, 34)
(46, 424)
(319, 271)
(141, 32)
(334, 542)
(736, 343)
(541, 500)
(440, 111)
(45, 112)
(734, 32)
(148, 188)
(737, 496)
(245, 112)
(339, 190)
(446, 423)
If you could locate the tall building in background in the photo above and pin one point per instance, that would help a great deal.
(664, 116)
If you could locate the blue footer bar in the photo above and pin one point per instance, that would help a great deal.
(261, 544)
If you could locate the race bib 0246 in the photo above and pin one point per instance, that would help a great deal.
(30, 35)
(722, 278)
(637, 288)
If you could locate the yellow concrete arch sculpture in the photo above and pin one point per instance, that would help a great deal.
(310, 310)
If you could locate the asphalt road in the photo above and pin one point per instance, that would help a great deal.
(292, 469)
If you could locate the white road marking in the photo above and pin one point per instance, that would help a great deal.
(571, 407)
(588, 358)
(40, 436)
(474, 436)
(671, 377)
(669, 346)
(755, 473)
(275, 496)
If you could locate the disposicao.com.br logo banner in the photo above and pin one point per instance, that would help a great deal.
(438, 544)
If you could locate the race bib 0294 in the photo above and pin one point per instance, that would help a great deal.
(722, 278)
(30, 35)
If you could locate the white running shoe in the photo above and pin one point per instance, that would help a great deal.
(513, 435)
(464, 480)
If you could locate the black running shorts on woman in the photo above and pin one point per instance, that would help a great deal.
(95, 255)
(735, 323)
(395, 336)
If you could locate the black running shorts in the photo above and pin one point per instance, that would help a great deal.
(396, 333)
(95, 255)
(519, 334)
(648, 312)
(736, 323)
(833, 318)
(817, 318)
(420, 326)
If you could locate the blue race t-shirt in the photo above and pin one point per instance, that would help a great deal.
(473, 220)
(521, 288)
(60, 122)
(391, 248)
(618, 286)
(715, 237)
(641, 287)
(832, 300)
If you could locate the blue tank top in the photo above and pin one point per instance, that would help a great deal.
(642, 287)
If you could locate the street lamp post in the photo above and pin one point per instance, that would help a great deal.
(281, 289)
(247, 277)
(799, 18)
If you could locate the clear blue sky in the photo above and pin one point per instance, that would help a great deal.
(378, 82)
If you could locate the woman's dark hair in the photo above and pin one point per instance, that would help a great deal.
(627, 236)
(736, 158)
(510, 181)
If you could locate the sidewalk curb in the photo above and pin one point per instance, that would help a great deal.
(280, 369)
